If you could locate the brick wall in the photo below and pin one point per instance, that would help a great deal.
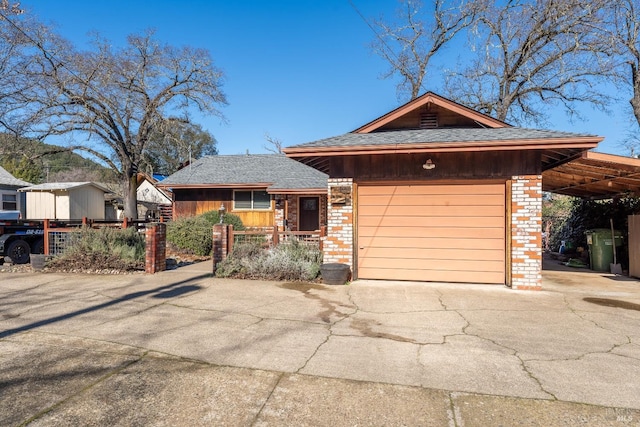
(338, 243)
(526, 229)
(156, 248)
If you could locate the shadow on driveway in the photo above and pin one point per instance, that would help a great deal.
(167, 291)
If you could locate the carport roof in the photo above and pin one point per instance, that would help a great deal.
(594, 175)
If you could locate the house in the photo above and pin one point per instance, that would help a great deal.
(434, 191)
(9, 196)
(66, 200)
(153, 202)
(264, 190)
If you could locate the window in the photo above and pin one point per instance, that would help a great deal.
(251, 200)
(9, 202)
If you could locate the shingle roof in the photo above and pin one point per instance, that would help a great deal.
(57, 186)
(9, 180)
(277, 172)
(440, 135)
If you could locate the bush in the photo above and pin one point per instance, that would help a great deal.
(106, 248)
(213, 217)
(288, 261)
(195, 234)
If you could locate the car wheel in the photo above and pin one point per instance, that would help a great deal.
(19, 251)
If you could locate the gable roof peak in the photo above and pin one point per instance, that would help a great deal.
(429, 100)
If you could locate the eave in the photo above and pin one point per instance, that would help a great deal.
(583, 143)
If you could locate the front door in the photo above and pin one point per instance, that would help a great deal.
(309, 208)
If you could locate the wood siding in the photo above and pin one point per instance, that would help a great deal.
(457, 166)
(198, 201)
(450, 233)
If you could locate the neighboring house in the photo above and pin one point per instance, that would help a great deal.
(66, 200)
(434, 191)
(263, 190)
(153, 202)
(10, 198)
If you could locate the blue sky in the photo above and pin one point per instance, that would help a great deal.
(299, 70)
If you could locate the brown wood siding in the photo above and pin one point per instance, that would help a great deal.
(444, 232)
(467, 165)
(193, 202)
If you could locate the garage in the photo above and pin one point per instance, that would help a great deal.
(452, 233)
(434, 191)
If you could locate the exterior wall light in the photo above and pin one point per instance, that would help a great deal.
(428, 165)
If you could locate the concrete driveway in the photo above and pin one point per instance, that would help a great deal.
(183, 348)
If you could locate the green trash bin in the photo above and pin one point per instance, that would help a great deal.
(601, 247)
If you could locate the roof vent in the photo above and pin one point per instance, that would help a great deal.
(428, 121)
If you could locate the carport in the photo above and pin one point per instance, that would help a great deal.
(595, 176)
(599, 176)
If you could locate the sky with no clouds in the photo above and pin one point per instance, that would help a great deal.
(297, 70)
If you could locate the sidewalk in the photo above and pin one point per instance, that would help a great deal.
(183, 348)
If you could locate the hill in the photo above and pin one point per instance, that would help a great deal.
(37, 162)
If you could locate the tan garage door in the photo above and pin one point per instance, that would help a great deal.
(449, 233)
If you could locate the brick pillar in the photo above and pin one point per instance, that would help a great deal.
(279, 214)
(156, 248)
(526, 232)
(338, 243)
(220, 244)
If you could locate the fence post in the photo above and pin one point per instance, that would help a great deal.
(323, 233)
(230, 240)
(156, 248)
(125, 222)
(46, 236)
(276, 236)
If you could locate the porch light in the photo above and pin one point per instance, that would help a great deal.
(221, 210)
(428, 165)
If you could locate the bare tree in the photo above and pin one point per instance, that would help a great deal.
(10, 8)
(113, 98)
(274, 145)
(623, 30)
(532, 54)
(409, 44)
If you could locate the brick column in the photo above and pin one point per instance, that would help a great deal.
(220, 244)
(279, 216)
(526, 232)
(338, 243)
(156, 248)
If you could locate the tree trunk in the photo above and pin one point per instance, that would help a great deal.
(130, 197)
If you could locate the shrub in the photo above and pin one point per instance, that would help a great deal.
(106, 248)
(191, 234)
(213, 217)
(288, 261)
(195, 234)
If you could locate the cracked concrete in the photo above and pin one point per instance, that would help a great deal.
(181, 346)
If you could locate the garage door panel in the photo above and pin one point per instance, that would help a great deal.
(441, 221)
(446, 211)
(464, 233)
(435, 275)
(390, 243)
(432, 232)
(430, 253)
(432, 264)
(411, 201)
(428, 189)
